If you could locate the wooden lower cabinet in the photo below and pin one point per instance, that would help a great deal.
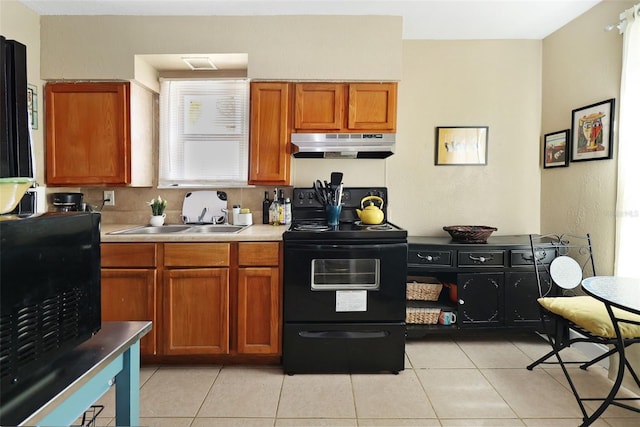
(258, 307)
(258, 310)
(204, 299)
(129, 287)
(196, 311)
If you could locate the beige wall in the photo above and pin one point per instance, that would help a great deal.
(468, 83)
(454, 83)
(581, 66)
(279, 47)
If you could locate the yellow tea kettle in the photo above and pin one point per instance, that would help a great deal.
(372, 214)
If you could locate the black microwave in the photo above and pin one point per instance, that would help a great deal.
(50, 293)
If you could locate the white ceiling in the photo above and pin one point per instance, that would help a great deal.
(422, 19)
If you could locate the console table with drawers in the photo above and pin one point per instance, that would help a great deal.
(491, 285)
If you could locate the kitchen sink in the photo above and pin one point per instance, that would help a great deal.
(221, 228)
(149, 229)
(183, 229)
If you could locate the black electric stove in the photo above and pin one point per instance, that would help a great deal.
(344, 288)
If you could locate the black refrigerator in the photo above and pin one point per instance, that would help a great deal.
(15, 143)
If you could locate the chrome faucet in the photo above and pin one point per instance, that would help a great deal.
(226, 215)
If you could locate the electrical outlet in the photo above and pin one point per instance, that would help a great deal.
(109, 197)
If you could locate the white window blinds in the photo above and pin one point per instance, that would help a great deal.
(204, 133)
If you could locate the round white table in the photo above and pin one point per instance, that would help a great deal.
(622, 293)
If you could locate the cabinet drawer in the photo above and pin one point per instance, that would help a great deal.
(430, 257)
(523, 257)
(258, 253)
(128, 255)
(480, 258)
(196, 254)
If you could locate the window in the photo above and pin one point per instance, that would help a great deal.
(204, 133)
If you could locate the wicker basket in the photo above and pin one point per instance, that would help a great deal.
(469, 233)
(422, 316)
(424, 291)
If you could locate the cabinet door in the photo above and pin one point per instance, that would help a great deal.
(88, 134)
(258, 310)
(372, 106)
(480, 299)
(269, 149)
(196, 311)
(130, 295)
(521, 294)
(319, 106)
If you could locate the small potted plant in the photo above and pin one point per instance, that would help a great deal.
(158, 206)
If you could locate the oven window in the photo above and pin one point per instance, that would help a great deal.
(339, 274)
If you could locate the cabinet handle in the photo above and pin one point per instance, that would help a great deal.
(461, 301)
(480, 259)
(428, 258)
(540, 255)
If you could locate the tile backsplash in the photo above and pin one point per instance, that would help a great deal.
(132, 204)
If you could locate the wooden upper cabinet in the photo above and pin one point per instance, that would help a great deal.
(345, 107)
(89, 134)
(319, 106)
(372, 106)
(269, 149)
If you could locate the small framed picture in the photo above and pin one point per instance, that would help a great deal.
(556, 149)
(32, 105)
(461, 145)
(592, 131)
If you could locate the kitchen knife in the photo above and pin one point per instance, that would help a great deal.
(336, 179)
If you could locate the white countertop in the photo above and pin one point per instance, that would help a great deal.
(256, 232)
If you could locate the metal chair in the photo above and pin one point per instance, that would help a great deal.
(564, 306)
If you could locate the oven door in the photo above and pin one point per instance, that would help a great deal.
(346, 282)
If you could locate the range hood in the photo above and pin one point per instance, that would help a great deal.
(343, 145)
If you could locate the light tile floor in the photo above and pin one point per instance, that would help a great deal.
(478, 380)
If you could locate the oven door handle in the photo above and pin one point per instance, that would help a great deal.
(344, 334)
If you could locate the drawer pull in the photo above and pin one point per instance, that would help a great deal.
(481, 259)
(540, 255)
(428, 258)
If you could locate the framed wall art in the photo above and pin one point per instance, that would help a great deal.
(592, 131)
(461, 145)
(32, 105)
(556, 149)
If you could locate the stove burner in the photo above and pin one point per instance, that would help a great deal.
(378, 227)
(311, 227)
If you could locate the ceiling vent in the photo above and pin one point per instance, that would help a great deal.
(200, 63)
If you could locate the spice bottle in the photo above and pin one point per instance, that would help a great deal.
(287, 211)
